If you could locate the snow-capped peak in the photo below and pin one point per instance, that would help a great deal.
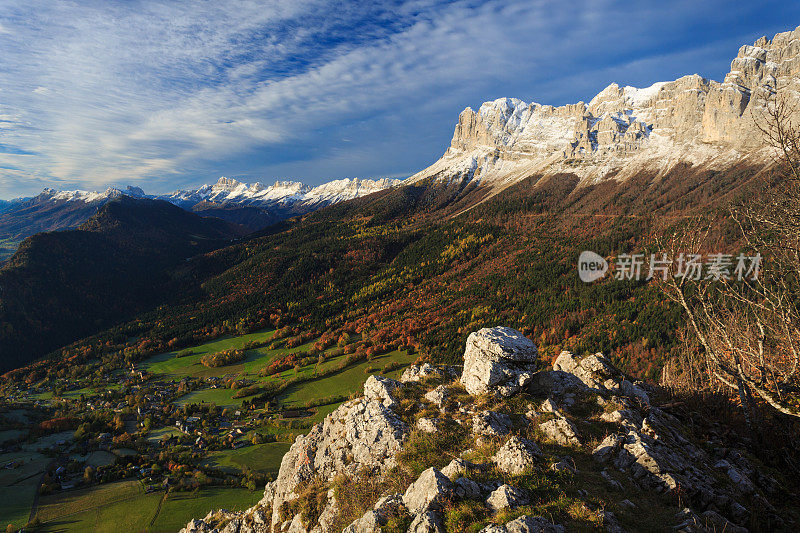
(640, 97)
(231, 191)
(82, 196)
(285, 193)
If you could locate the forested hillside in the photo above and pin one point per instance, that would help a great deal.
(424, 265)
(61, 286)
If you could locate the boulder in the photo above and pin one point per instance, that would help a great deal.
(498, 360)
(457, 467)
(428, 492)
(597, 373)
(560, 430)
(381, 388)
(359, 434)
(739, 478)
(428, 425)
(438, 396)
(491, 424)
(426, 370)
(373, 519)
(517, 455)
(427, 522)
(506, 497)
(525, 524)
(466, 489)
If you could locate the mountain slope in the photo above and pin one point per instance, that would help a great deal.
(579, 447)
(53, 211)
(395, 264)
(61, 286)
(399, 257)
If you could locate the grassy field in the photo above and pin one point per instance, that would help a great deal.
(45, 442)
(18, 486)
(222, 397)
(342, 383)
(263, 458)
(56, 506)
(124, 506)
(121, 506)
(157, 434)
(177, 367)
(183, 506)
(97, 458)
(73, 394)
(346, 382)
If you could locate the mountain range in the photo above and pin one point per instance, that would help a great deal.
(254, 206)
(149, 323)
(623, 131)
(620, 133)
(669, 148)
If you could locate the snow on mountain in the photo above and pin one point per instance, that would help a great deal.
(89, 196)
(80, 196)
(285, 193)
(623, 131)
(230, 191)
(254, 206)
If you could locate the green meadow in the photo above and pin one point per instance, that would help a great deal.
(18, 485)
(124, 506)
(261, 458)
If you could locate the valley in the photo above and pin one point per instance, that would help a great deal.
(426, 355)
(165, 410)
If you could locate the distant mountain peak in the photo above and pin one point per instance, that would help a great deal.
(135, 192)
(83, 196)
(284, 193)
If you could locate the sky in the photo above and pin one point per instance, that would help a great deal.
(168, 95)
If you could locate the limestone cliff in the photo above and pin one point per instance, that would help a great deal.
(623, 130)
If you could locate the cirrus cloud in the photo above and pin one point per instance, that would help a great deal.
(167, 94)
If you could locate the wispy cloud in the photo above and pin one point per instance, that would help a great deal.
(169, 93)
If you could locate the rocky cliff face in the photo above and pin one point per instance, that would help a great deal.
(576, 446)
(623, 130)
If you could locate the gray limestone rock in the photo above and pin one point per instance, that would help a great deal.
(491, 424)
(525, 524)
(498, 360)
(506, 497)
(517, 455)
(428, 492)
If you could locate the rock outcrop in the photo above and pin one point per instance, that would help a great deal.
(517, 455)
(498, 360)
(582, 432)
(597, 373)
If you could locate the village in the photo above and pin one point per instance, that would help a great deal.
(171, 425)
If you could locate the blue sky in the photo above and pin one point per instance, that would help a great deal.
(167, 95)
